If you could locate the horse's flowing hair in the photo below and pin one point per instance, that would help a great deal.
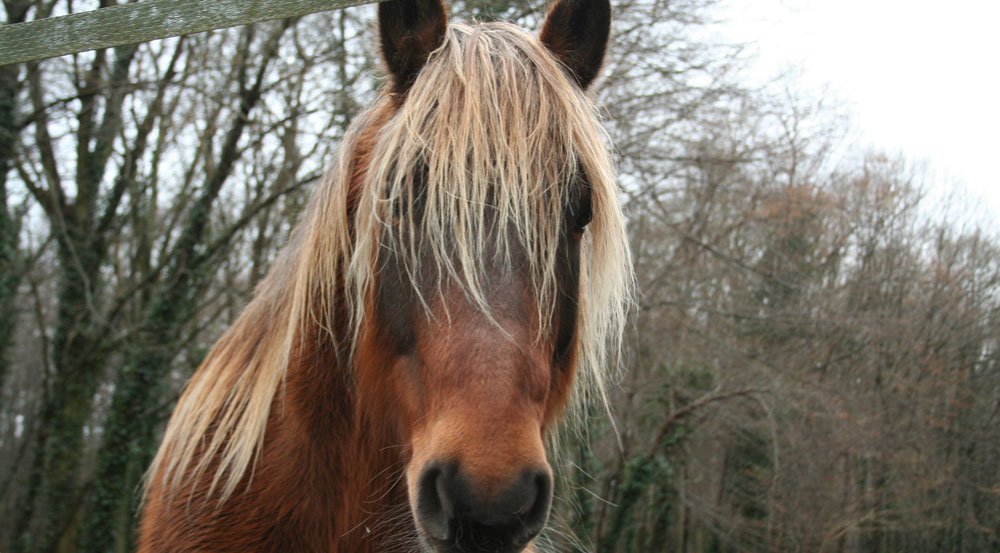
(478, 160)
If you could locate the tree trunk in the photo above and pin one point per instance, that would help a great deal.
(10, 273)
(129, 440)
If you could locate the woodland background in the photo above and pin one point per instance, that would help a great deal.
(813, 365)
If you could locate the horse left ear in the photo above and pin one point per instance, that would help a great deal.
(576, 31)
(409, 31)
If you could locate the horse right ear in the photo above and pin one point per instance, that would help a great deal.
(409, 31)
(577, 31)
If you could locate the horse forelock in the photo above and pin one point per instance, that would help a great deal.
(492, 135)
(492, 132)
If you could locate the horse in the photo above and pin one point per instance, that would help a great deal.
(457, 284)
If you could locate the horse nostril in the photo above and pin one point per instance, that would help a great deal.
(432, 511)
(452, 511)
(532, 495)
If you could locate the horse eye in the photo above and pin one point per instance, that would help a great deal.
(584, 213)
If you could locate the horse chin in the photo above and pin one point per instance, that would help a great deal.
(431, 545)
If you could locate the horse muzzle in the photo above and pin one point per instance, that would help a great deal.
(458, 517)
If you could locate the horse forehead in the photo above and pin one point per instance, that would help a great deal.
(509, 307)
(501, 268)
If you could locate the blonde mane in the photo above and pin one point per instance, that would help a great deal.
(492, 132)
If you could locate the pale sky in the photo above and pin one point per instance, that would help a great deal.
(918, 77)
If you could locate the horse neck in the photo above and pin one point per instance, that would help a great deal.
(356, 456)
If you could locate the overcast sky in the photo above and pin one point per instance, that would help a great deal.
(918, 77)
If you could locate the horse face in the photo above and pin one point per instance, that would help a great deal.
(477, 381)
(475, 391)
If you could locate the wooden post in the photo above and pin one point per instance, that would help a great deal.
(144, 21)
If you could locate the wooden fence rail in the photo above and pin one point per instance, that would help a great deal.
(144, 21)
